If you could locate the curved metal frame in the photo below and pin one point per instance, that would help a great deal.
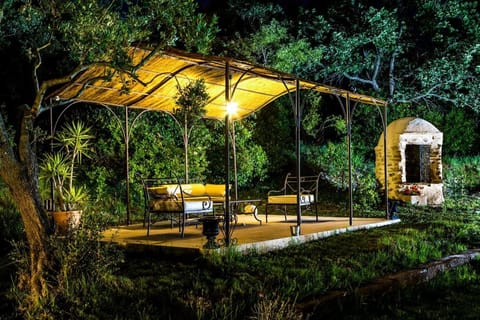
(348, 111)
(126, 131)
(297, 105)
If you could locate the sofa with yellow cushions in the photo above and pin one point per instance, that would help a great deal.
(179, 202)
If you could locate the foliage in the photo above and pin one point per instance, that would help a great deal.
(331, 161)
(81, 273)
(425, 62)
(461, 175)
(251, 158)
(252, 162)
(74, 141)
(456, 121)
(153, 150)
(191, 101)
(422, 54)
(11, 228)
(238, 286)
(274, 132)
(46, 44)
(275, 308)
(452, 294)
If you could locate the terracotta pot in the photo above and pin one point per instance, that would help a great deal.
(65, 221)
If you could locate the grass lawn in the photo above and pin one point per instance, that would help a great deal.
(271, 286)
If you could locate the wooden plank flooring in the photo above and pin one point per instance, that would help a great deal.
(248, 234)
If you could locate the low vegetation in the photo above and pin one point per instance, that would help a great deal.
(89, 280)
(94, 281)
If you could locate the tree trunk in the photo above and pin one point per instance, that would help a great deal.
(185, 148)
(19, 172)
(36, 225)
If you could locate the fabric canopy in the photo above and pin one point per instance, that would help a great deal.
(153, 85)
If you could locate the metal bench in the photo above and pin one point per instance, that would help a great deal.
(287, 196)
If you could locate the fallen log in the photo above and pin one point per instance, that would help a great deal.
(387, 284)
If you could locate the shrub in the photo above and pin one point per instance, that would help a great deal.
(331, 160)
(461, 175)
(275, 307)
(11, 226)
(80, 274)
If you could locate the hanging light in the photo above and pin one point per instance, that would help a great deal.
(232, 108)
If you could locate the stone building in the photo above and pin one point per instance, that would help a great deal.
(414, 162)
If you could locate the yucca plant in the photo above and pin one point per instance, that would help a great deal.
(74, 143)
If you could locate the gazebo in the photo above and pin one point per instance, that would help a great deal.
(152, 85)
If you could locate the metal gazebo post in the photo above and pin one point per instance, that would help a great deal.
(385, 160)
(348, 110)
(127, 165)
(227, 156)
(349, 150)
(298, 117)
(385, 166)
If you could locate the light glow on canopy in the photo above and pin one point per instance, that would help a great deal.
(232, 108)
(153, 85)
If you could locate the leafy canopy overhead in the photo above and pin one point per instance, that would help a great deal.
(61, 38)
(415, 52)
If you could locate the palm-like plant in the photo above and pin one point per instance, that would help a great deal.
(74, 142)
(54, 168)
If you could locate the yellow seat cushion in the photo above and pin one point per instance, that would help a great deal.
(165, 190)
(305, 199)
(174, 189)
(195, 190)
(215, 190)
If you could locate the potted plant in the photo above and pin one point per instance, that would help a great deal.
(74, 143)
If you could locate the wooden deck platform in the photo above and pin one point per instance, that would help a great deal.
(247, 235)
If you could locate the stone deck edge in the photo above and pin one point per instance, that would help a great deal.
(281, 243)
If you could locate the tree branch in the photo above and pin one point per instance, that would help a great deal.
(25, 152)
(391, 70)
(429, 95)
(376, 69)
(51, 83)
(37, 104)
(391, 78)
(372, 82)
(37, 65)
(155, 50)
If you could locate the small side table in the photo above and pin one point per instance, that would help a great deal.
(246, 206)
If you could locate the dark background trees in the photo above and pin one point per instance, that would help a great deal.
(422, 56)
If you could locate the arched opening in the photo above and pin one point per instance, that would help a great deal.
(417, 160)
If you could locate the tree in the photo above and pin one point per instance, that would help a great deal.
(429, 57)
(191, 101)
(422, 55)
(44, 44)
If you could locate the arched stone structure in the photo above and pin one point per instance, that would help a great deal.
(414, 162)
